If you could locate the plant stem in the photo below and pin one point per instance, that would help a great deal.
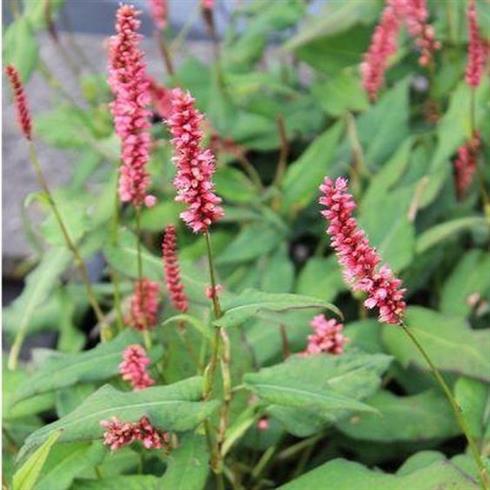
(19, 339)
(164, 51)
(283, 151)
(114, 273)
(483, 473)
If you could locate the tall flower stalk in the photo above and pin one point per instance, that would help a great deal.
(195, 188)
(25, 123)
(361, 266)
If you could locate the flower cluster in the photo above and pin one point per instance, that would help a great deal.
(416, 15)
(133, 367)
(172, 270)
(119, 434)
(327, 336)
(207, 4)
(359, 260)
(129, 84)
(20, 100)
(144, 305)
(195, 166)
(383, 45)
(211, 292)
(477, 49)
(465, 164)
(159, 12)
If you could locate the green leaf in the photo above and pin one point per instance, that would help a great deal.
(27, 475)
(307, 392)
(321, 278)
(446, 230)
(20, 47)
(448, 340)
(234, 186)
(187, 466)
(278, 275)
(334, 18)
(389, 230)
(346, 475)
(39, 285)
(133, 482)
(35, 11)
(474, 399)
(163, 213)
(252, 302)
(465, 280)
(68, 399)
(341, 93)
(62, 370)
(253, 241)
(416, 418)
(304, 176)
(174, 407)
(68, 460)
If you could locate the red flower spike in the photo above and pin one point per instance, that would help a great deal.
(133, 367)
(144, 305)
(23, 114)
(172, 270)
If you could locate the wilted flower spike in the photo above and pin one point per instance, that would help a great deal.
(383, 45)
(465, 164)
(20, 100)
(133, 367)
(119, 434)
(327, 336)
(359, 260)
(172, 270)
(416, 15)
(129, 84)
(159, 12)
(477, 50)
(195, 166)
(144, 305)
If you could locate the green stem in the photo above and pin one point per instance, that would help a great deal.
(483, 473)
(114, 273)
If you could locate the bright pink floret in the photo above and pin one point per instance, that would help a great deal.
(465, 165)
(20, 100)
(327, 336)
(383, 45)
(359, 260)
(133, 367)
(129, 84)
(160, 98)
(159, 12)
(207, 4)
(477, 49)
(119, 434)
(195, 166)
(172, 270)
(144, 305)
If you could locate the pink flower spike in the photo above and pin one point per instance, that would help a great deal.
(359, 260)
(477, 49)
(144, 305)
(383, 45)
(129, 84)
(327, 336)
(159, 12)
(117, 434)
(207, 4)
(195, 166)
(133, 367)
(161, 98)
(212, 293)
(151, 437)
(20, 101)
(172, 270)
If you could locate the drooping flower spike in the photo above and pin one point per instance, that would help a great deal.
(119, 434)
(172, 270)
(359, 260)
(144, 305)
(133, 367)
(20, 100)
(129, 84)
(477, 49)
(327, 336)
(195, 165)
(159, 12)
